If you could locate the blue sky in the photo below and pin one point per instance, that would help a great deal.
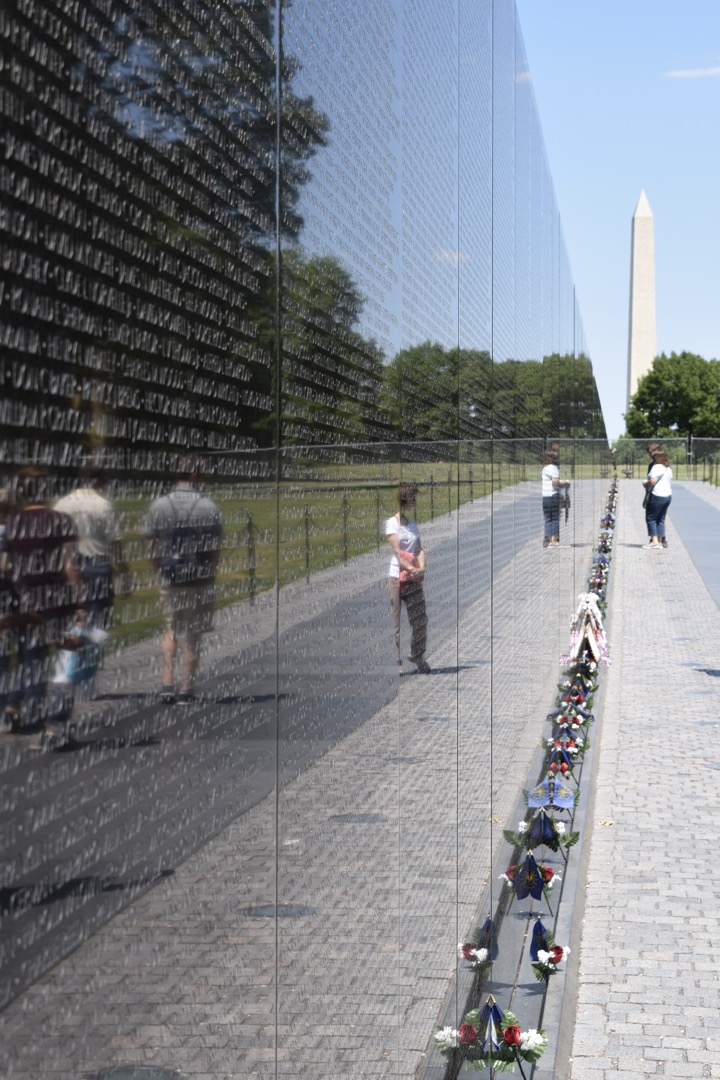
(628, 93)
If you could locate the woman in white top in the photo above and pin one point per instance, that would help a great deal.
(551, 484)
(658, 483)
(405, 577)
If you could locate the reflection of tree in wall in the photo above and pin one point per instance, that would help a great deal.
(331, 375)
(421, 393)
(207, 106)
(435, 393)
(177, 122)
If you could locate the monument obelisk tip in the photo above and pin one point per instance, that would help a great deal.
(641, 339)
(642, 208)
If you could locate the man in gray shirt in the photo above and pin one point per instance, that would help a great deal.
(185, 534)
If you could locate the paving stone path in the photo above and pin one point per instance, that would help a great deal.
(649, 979)
(375, 860)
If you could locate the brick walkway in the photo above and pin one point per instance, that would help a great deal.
(384, 848)
(649, 978)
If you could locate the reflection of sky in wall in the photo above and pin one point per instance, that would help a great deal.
(434, 190)
(351, 209)
(475, 174)
(383, 198)
(429, 175)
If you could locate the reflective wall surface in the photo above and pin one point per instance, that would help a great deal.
(263, 265)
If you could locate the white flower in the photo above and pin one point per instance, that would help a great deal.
(549, 884)
(506, 879)
(447, 1039)
(479, 955)
(560, 828)
(522, 827)
(530, 1039)
(566, 953)
(543, 956)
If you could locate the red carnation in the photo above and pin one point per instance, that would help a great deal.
(548, 873)
(556, 954)
(467, 1033)
(467, 950)
(512, 1035)
(553, 767)
(580, 699)
(564, 767)
(510, 872)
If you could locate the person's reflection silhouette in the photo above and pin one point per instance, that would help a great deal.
(185, 533)
(38, 554)
(99, 550)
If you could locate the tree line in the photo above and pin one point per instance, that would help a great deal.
(679, 396)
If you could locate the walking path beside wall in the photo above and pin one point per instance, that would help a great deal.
(649, 979)
(383, 849)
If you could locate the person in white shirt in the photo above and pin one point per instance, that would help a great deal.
(405, 577)
(658, 482)
(98, 546)
(551, 485)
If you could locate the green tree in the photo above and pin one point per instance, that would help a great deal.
(331, 374)
(433, 393)
(421, 393)
(679, 396)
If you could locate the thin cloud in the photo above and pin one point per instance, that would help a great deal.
(694, 73)
(453, 257)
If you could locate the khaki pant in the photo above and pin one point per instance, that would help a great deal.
(413, 597)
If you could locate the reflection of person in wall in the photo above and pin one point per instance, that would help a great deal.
(99, 549)
(39, 559)
(185, 534)
(8, 622)
(552, 485)
(405, 579)
(98, 545)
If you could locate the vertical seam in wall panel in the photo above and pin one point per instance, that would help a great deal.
(278, 473)
(457, 541)
(492, 422)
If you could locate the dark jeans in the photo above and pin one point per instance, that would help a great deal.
(655, 512)
(551, 513)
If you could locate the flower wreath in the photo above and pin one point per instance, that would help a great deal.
(570, 741)
(483, 949)
(544, 953)
(544, 830)
(488, 1038)
(531, 879)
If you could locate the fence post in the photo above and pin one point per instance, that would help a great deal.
(471, 483)
(432, 498)
(306, 520)
(251, 556)
(345, 517)
(449, 491)
(377, 517)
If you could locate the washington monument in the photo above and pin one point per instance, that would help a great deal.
(641, 343)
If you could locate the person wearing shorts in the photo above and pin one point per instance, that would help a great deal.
(185, 533)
